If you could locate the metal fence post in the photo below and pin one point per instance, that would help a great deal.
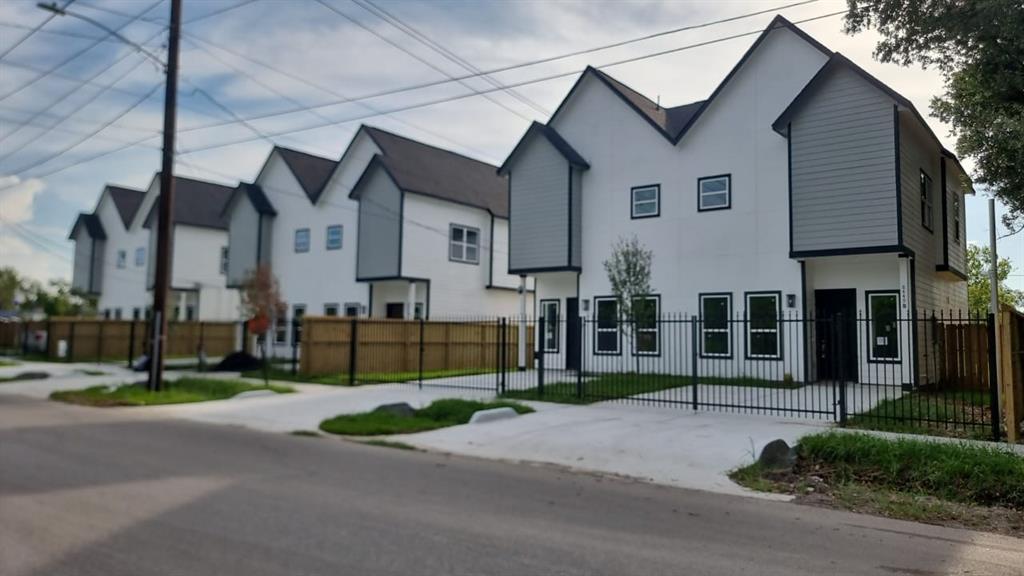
(24, 337)
(694, 382)
(131, 344)
(295, 345)
(582, 349)
(839, 364)
(352, 349)
(71, 341)
(993, 379)
(503, 368)
(540, 357)
(201, 349)
(420, 380)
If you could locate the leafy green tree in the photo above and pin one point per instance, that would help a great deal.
(629, 274)
(57, 298)
(978, 46)
(10, 286)
(978, 295)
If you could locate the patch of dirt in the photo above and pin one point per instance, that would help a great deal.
(814, 487)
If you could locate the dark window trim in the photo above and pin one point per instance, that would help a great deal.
(728, 204)
(558, 335)
(327, 237)
(867, 340)
(957, 221)
(657, 329)
(632, 201)
(451, 227)
(618, 329)
(295, 241)
(729, 323)
(337, 308)
(746, 325)
(926, 177)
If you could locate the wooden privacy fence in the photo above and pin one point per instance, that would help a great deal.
(1011, 371)
(89, 339)
(406, 346)
(961, 355)
(10, 335)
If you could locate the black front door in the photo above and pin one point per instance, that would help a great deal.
(836, 334)
(572, 334)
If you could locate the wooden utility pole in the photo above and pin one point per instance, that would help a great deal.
(164, 238)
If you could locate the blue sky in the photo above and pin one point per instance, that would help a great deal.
(256, 57)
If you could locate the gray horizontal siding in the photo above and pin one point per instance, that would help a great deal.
(539, 207)
(243, 241)
(378, 250)
(843, 169)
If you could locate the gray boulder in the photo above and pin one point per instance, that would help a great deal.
(777, 455)
(400, 409)
(492, 414)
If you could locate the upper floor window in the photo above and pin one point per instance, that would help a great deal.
(714, 193)
(464, 244)
(645, 201)
(927, 202)
(334, 237)
(140, 256)
(302, 240)
(956, 218)
(224, 260)
(715, 328)
(122, 258)
(764, 325)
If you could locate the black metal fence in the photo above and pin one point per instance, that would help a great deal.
(930, 373)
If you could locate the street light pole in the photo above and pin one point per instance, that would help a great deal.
(164, 238)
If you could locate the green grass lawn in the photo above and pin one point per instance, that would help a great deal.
(938, 482)
(5, 363)
(440, 414)
(623, 385)
(175, 392)
(361, 378)
(953, 413)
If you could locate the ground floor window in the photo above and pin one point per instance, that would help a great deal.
(646, 340)
(764, 325)
(117, 313)
(606, 326)
(549, 312)
(715, 328)
(330, 309)
(190, 313)
(281, 330)
(298, 311)
(352, 309)
(394, 310)
(417, 311)
(883, 321)
(136, 313)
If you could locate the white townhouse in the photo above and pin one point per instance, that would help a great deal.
(114, 244)
(111, 253)
(432, 232)
(297, 219)
(801, 187)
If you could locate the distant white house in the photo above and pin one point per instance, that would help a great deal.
(114, 244)
(802, 186)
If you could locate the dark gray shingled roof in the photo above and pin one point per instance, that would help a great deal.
(311, 171)
(258, 198)
(197, 203)
(431, 171)
(669, 120)
(127, 202)
(92, 225)
(556, 140)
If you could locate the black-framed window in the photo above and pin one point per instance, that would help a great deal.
(190, 313)
(715, 327)
(764, 324)
(302, 240)
(330, 309)
(394, 310)
(352, 309)
(550, 313)
(883, 323)
(334, 237)
(136, 313)
(223, 260)
(298, 311)
(464, 244)
(117, 313)
(646, 337)
(956, 218)
(606, 326)
(645, 201)
(281, 329)
(714, 193)
(927, 202)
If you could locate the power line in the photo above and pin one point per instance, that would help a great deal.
(418, 57)
(54, 32)
(32, 32)
(515, 84)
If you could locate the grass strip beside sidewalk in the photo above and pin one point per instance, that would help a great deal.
(362, 378)
(181, 391)
(613, 386)
(440, 414)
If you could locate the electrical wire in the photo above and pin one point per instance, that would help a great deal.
(32, 32)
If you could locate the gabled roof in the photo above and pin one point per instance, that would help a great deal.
(556, 140)
(835, 62)
(311, 171)
(127, 201)
(92, 224)
(674, 122)
(254, 193)
(439, 173)
(197, 203)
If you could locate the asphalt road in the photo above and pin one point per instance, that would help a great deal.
(93, 492)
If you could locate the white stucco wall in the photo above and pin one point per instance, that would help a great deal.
(122, 288)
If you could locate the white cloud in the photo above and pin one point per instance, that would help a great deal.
(16, 198)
